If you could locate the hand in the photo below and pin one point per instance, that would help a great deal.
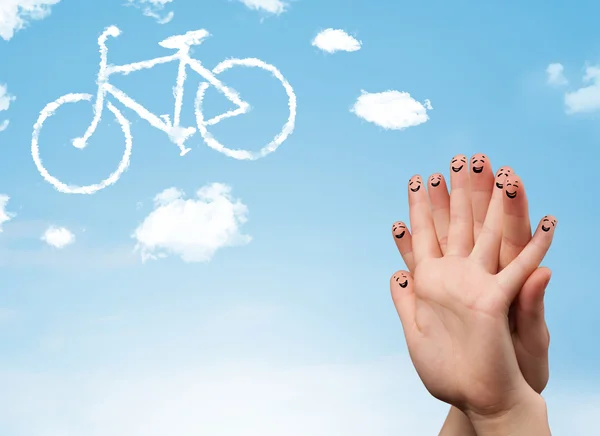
(530, 335)
(455, 311)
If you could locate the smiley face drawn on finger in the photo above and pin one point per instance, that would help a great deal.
(502, 172)
(414, 184)
(401, 279)
(435, 180)
(548, 223)
(512, 187)
(478, 163)
(458, 162)
(399, 229)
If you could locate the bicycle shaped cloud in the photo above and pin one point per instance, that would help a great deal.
(177, 133)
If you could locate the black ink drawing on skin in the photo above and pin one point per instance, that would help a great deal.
(546, 220)
(403, 284)
(516, 187)
(436, 179)
(502, 172)
(478, 169)
(399, 226)
(418, 185)
(462, 160)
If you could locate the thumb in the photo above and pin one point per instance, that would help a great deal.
(529, 312)
(403, 295)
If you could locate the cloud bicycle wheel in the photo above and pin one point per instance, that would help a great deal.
(49, 111)
(242, 154)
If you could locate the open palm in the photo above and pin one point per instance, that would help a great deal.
(510, 217)
(455, 309)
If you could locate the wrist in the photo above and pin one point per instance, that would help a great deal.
(527, 417)
(457, 424)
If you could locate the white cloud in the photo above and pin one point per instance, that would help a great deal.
(556, 75)
(58, 237)
(587, 98)
(272, 6)
(16, 14)
(5, 100)
(4, 214)
(153, 8)
(392, 110)
(332, 40)
(192, 229)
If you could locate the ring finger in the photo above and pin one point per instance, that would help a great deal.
(440, 208)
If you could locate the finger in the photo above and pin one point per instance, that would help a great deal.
(403, 296)
(460, 232)
(482, 186)
(487, 246)
(440, 208)
(529, 310)
(403, 241)
(516, 228)
(424, 239)
(513, 277)
(531, 329)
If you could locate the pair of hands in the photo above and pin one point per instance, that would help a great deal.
(472, 304)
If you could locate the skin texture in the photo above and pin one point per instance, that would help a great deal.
(506, 225)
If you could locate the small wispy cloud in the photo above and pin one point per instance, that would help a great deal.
(154, 9)
(58, 237)
(556, 76)
(5, 215)
(332, 40)
(5, 100)
(393, 110)
(193, 229)
(586, 98)
(271, 6)
(16, 14)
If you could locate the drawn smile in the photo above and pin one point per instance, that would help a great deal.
(546, 220)
(477, 169)
(416, 182)
(404, 284)
(501, 172)
(457, 169)
(511, 194)
(400, 227)
(435, 184)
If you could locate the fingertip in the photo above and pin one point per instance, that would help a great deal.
(436, 180)
(415, 183)
(501, 175)
(457, 164)
(401, 279)
(480, 164)
(399, 229)
(548, 224)
(513, 187)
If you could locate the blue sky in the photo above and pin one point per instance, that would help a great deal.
(290, 330)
